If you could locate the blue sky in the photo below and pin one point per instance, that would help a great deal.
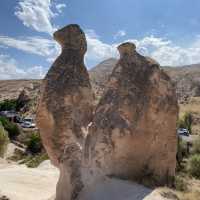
(168, 31)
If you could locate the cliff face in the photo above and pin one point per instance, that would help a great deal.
(65, 109)
(134, 126)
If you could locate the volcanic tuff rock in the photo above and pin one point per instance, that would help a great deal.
(134, 127)
(65, 109)
(23, 100)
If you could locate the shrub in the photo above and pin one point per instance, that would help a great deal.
(4, 140)
(37, 160)
(11, 128)
(18, 154)
(34, 144)
(194, 166)
(180, 184)
(169, 195)
(185, 122)
(182, 151)
(188, 121)
(8, 105)
(34, 161)
(196, 146)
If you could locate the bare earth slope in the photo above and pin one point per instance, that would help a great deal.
(186, 78)
(21, 183)
(10, 89)
(18, 182)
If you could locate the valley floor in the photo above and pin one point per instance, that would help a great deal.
(18, 182)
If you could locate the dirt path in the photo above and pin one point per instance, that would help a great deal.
(22, 183)
(114, 189)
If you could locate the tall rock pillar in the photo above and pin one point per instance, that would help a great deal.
(133, 133)
(65, 109)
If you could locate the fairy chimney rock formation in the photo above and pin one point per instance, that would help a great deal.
(133, 133)
(65, 109)
(127, 49)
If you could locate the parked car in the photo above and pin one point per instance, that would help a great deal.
(27, 124)
(28, 119)
(10, 115)
(183, 132)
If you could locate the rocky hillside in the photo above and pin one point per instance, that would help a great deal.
(10, 89)
(186, 78)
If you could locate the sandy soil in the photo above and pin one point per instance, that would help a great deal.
(22, 183)
(114, 189)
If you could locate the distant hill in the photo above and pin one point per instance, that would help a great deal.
(10, 89)
(186, 79)
(100, 73)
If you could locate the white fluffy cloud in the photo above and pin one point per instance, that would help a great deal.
(38, 14)
(169, 54)
(98, 50)
(34, 45)
(120, 33)
(10, 70)
(60, 7)
(164, 51)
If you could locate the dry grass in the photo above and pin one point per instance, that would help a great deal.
(190, 196)
(191, 193)
(194, 191)
(193, 106)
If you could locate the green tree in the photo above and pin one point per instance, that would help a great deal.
(185, 122)
(194, 166)
(11, 128)
(34, 144)
(182, 152)
(8, 105)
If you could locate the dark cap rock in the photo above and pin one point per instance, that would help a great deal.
(71, 37)
(127, 48)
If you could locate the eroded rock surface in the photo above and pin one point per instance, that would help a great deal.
(133, 133)
(23, 99)
(65, 110)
